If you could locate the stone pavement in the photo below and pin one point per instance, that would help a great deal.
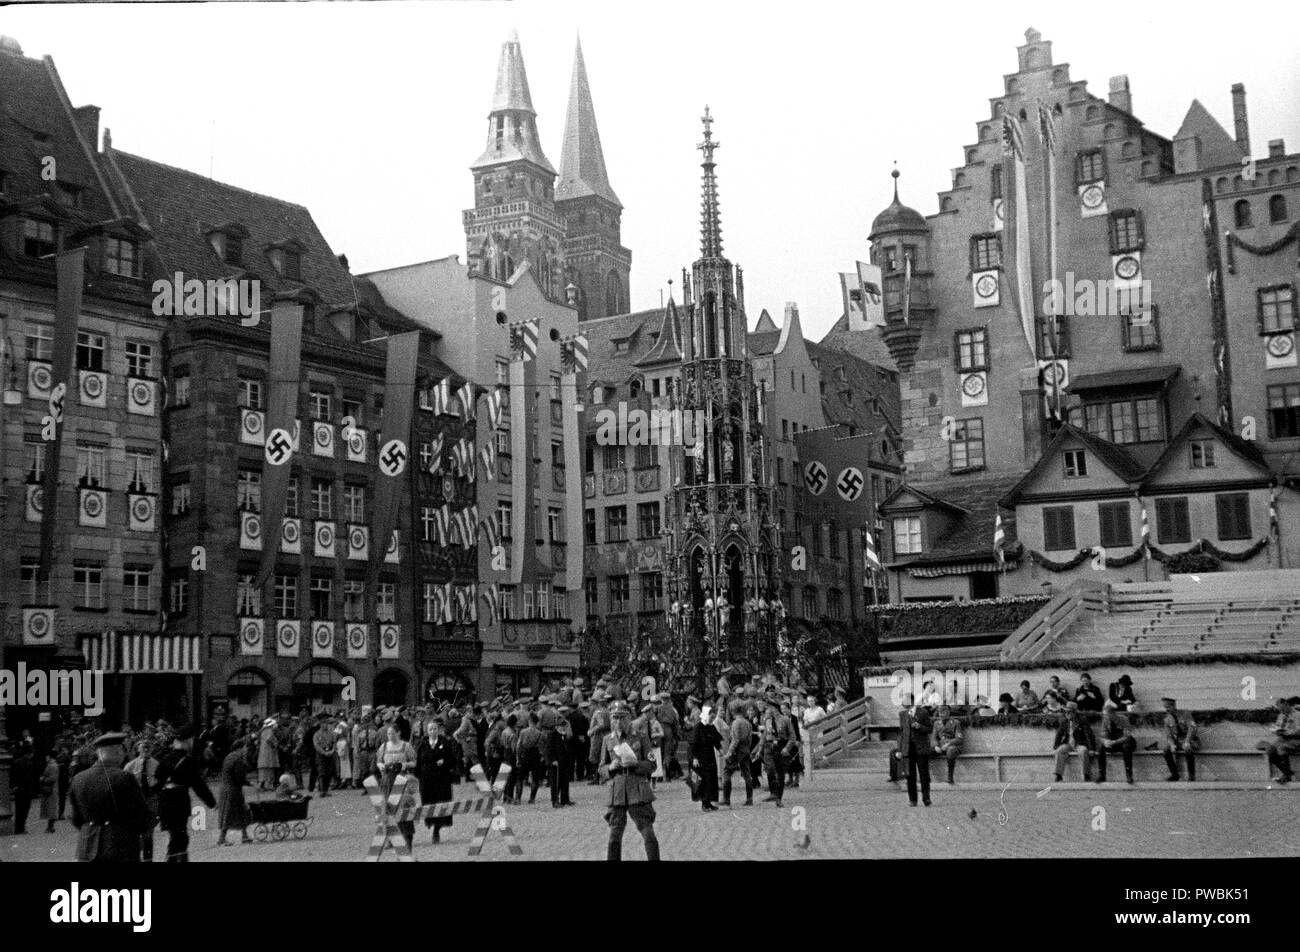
(844, 820)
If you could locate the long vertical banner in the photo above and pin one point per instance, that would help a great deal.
(1013, 147)
(395, 452)
(70, 267)
(281, 411)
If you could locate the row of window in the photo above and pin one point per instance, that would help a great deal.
(248, 495)
(612, 457)
(92, 351)
(92, 465)
(1173, 522)
(647, 521)
(1139, 331)
(538, 601)
(1244, 217)
(120, 255)
(619, 597)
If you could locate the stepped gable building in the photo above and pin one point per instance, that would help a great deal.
(332, 607)
(568, 231)
(79, 507)
(1176, 294)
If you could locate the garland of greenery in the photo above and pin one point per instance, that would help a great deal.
(1272, 247)
(1122, 561)
(1279, 660)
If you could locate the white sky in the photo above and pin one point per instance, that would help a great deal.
(370, 113)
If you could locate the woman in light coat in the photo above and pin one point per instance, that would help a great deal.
(48, 787)
(268, 755)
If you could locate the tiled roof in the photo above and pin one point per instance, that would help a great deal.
(1243, 448)
(582, 160)
(667, 348)
(1128, 377)
(180, 207)
(762, 343)
(971, 535)
(1217, 147)
(1115, 458)
(35, 123)
(865, 344)
(865, 382)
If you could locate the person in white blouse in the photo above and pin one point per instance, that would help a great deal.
(393, 757)
(813, 711)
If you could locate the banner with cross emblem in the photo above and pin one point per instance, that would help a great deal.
(815, 477)
(281, 427)
(402, 806)
(850, 483)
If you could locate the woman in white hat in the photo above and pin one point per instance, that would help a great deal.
(268, 755)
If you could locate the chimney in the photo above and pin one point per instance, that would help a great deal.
(1276, 149)
(1120, 97)
(1239, 117)
(343, 260)
(87, 119)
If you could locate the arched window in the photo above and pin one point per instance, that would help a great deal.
(615, 296)
(634, 387)
(710, 325)
(1241, 214)
(1277, 209)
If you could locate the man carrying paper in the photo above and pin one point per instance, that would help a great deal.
(626, 760)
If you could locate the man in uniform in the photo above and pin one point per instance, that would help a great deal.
(597, 732)
(778, 744)
(739, 750)
(108, 808)
(578, 745)
(671, 723)
(1287, 732)
(626, 761)
(178, 773)
(948, 738)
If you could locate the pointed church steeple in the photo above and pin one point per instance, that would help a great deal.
(710, 218)
(512, 123)
(667, 347)
(582, 161)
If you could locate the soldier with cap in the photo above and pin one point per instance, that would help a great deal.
(777, 746)
(179, 772)
(597, 731)
(738, 754)
(1181, 737)
(626, 760)
(108, 808)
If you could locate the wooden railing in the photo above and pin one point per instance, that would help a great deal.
(834, 734)
(1038, 631)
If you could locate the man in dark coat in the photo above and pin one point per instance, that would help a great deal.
(914, 728)
(22, 784)
(435, 766)
(108, 808)
(627, 760)
(704, 744)
(178, 773)
(740, 747)
(578, 744)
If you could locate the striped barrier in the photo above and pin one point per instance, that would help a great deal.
(400, 807)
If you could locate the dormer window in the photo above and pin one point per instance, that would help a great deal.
(1202, 453)
(907, 535)
(38, 238)
(229, 247)
(287, 263)
(120, 257)
(69, 196)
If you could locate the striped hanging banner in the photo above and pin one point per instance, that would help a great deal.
(495, 405)
(435, 455)
(442, 521)
(1146, 535)
(492, 531)
(442, 396)
(523, 340)
(488, 458)
(100, 651)
(160, 654)
(467, 399)
(447, 611)
(491, 596)
(1013, 148)
(999, 540)
(869, 552)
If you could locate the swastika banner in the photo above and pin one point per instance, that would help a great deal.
(282, 407)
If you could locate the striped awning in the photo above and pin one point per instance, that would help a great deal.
(100, 651)
(961, 568)
(159, 654)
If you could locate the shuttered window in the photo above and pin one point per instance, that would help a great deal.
(1173, 521)
(1233, 515)
(1058, 528)
(1116, 526)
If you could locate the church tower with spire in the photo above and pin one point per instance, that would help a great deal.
(598, 266)
(723, 543)
(514, 218)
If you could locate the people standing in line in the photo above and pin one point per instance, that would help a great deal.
(738, 754)
(268, 755)
(1114, 734)
(914, 728)
(626, 761)
(144, 767)
(232, 808)
(704, 747)
(323, 748)
(948, 738)
(1181, 737)
(179, 773)
(435, 767)
(108, 809)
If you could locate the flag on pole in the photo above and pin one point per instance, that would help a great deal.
(1146, 534)
(1048, 130)
(442, 396)
(488, 457)
(999, 540)
(491, 531)
(281, 410)
(871, 558)
(442, 519)
(1013, 148)
(494, 408)
(851, 294)
(871, 283)
(1272, 513)
(446, 602)
(523, 340)
(573, 354)
(435, 455)
(491, 596)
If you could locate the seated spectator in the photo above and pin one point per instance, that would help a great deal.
(1026, 701)
(1287, 731)
(1181, 737)
(1052, 703)
(930, 696)
(983, 708)
(1073, 733)
(1121, 692)
(1088, 695)
(948, 737)
(1006, 704)
(1114, 734)
(1062, 692)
